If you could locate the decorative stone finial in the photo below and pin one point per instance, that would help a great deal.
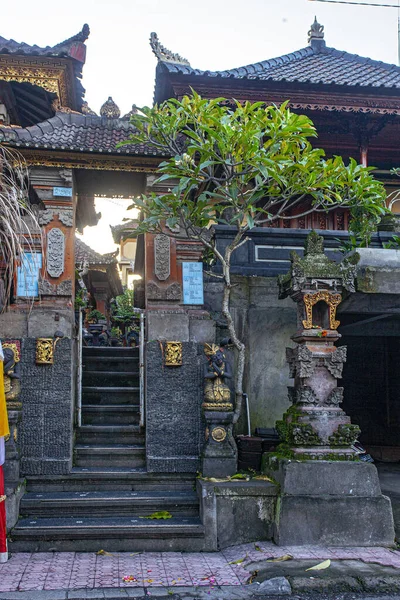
(86, 110)
(165, 55)
(128, 115)
(316, 35)
(110, 110)
(314, 244)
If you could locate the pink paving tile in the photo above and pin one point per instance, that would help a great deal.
(153, 570)
(59, 572)
(83, 571)
(176, 570)
(198, 568)
(107, 571)
(130, 565)
(223, 573)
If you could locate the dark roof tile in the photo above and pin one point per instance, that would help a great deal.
(318, 65)
(76, 131)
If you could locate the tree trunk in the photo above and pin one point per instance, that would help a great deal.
(240, 347)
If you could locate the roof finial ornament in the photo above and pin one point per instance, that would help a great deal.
(165, 55)
(316, 35)
(110, 110)
(133, 111)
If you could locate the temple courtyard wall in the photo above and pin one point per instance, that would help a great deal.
(265, 324)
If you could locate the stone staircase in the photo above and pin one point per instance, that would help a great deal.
(102, 503)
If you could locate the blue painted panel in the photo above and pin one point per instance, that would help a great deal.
(62, 191)
(192, 275)
(28, 275)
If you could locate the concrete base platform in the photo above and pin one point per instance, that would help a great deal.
(331, 503)
(236, 512)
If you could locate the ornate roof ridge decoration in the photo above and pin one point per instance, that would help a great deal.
(110, 110)
(165, 55)
(133, 111)
(86, 110)
(65, 48)
(316, 31)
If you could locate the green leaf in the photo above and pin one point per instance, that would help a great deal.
(161, 514)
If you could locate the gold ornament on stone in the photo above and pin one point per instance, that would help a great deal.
(217, 394)
(218, 434)
(331, 299)
(44, 351)
(173, 354)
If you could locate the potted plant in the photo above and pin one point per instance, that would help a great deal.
(116, 334)
(97, 324)
(96, 317)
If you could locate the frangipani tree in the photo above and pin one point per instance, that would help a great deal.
(244, 165)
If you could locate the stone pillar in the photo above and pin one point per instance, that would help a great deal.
(45, 432)
(327, 495)
(174, 427)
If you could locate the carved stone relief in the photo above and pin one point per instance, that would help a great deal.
(55, 252)
(162, 261)
(155, 292)
(65, 215)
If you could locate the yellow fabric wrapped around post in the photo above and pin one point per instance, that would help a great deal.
(4, 428)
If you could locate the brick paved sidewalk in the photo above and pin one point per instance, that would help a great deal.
(74, 571)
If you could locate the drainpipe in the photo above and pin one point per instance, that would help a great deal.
(79, 374)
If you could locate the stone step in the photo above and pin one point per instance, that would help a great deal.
(109, 456)
(110, 379)
(89, 534)
(110, 414)
(110, 363)
(110, 395)
(114, 479)
(103, 504)
(110, 434)
(109, 351)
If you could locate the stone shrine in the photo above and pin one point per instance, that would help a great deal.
(327, 496)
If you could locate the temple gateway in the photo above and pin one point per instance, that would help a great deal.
(103, 435)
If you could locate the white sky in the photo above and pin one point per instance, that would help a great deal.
(211, 34)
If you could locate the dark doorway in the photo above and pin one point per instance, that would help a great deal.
(371, 381)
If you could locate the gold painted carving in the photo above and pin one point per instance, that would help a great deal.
(15, 348)
(44, 351)
(332, 300)
(217, 406)
(173, 354)
(218, 434)
(131, 163)
(52, 75)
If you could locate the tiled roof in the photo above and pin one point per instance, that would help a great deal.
(79, 132)
(316, 64)
(73, 48)
(62, 49)
(118, 230)
(84, 253)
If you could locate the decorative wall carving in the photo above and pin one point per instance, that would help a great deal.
(155, 292)
(162, 259)
(334, 362)
(335, 397)
(65, 215)
(55, 252)
(173, 354)
(44, 351)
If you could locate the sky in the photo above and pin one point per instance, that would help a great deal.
(211, 34)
